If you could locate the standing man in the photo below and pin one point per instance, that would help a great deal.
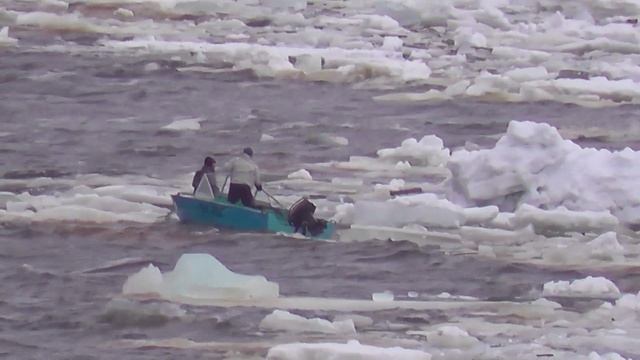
(244, 174)
(208, 169)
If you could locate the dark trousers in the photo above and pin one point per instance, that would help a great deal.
(240, 192)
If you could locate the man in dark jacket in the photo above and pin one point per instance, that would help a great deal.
(208, 170)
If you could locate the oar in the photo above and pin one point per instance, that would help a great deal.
(274, 199)
(224, 184)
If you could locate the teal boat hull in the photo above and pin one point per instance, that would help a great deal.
(222, 214)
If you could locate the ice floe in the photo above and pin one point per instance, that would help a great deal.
(450, 336)
(301, 174)
(286, 321)
(589, 287)
(199, 276)
(382, 296)
(606, 246)
(528, 46)
(351, 350)
(429, 150)
(5, 39)
(184, 124)
(532, 164)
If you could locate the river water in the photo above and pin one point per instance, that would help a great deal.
(84, 117)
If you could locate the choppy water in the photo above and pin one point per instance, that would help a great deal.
(70, 113)
(89, 122)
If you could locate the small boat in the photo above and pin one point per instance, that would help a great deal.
(205, 208)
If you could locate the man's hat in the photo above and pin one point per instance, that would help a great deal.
(248, 151)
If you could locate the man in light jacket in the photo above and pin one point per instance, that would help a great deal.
(244, 174)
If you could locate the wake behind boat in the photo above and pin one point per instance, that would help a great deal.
(205, 208)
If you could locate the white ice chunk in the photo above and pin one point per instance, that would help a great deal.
(548, 303)
(295, 5)
(428, 96)
(18, 206)
(6, 197)
(146, 281)
(451, 336)
(5, 39)
(393, 185)
(416, 12)
(378, 22)
(490, 15)
(486, 251)
(200, 276)
(266, 138)
(350, 182)
(587, 287)
(487, 84)
(629, 302)
(327, 139)
(309, 63)
(429, 150)
(423, 209)
(403, 165)
(466, 37)
(78, 207)
(523, 56)
(528, 74)
(503, 220)
(392, 43)
(608, 356)
(457, 88)
(482, 235)
(343, 63)
(352, 350)
(345, 214)
(531, 164)
(151, 67)
(301, 174)
(606, 246)
(123, 13)
(563, 220)
(360, 321)
(184, 124)
(382, 296)
(286, 321)
(68, 22)
(480, 215)
(617, 90)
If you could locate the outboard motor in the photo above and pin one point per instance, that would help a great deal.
(301, 218)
